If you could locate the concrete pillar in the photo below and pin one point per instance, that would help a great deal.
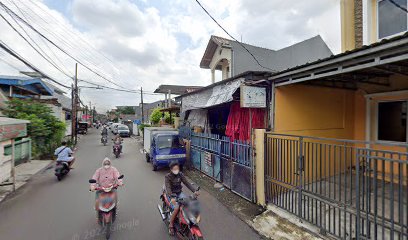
(259, 151)
(347, 25)
(212, 75)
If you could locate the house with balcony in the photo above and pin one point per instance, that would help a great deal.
(228, 58)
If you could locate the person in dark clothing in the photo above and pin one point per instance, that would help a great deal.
(173, 181)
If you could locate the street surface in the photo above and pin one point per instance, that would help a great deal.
(48, 209)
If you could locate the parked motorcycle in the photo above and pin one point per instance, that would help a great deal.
(106, 211)
(186, 223)
(61, 169)
(104, 140)
(116, 150)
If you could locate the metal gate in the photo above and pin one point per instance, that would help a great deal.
(343, 187)
(229, 162)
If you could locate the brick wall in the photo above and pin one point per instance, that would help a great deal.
(358, 23)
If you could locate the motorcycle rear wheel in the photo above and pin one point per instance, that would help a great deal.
(108, 230)
(195, 238)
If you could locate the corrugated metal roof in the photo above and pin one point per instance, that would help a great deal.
(344, 54)
(36, 83)
(176, 89)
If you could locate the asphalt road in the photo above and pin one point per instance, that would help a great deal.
(48, 209)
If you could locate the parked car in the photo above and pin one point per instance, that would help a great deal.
(113, 126)
(123, 131)
(166, 148)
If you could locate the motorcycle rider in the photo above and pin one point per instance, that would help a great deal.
(117, 140)
(104, 132)
(64, 154)
(105, 176)
(174, 191)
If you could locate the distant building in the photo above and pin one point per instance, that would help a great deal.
(61, 106)
(23, 88)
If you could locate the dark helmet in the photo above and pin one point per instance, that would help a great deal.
(174, 163)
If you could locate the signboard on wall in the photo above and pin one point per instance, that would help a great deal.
(253, 97)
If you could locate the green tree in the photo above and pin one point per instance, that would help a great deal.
(126, 110)
(45, 130)
(156, 116)
(167, 118)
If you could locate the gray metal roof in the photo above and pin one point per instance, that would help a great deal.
(297, 54)
(176, 89)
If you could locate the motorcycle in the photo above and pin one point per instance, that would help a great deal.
(107, 207)
(104, 140)
(186, 223)
(116, 150)
(61, 169)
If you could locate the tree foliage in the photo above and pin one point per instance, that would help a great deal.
(45, 130)
(126, 110)
(156, 116)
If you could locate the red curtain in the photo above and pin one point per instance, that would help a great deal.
(238, 125)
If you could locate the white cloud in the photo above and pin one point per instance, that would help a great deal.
(152, 44)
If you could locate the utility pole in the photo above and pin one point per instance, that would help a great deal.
(93, 114)
(90, 112)
(75, 110)
(141, 100)
(72, 113)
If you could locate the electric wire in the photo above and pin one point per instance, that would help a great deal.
(56, 45)
(13, 53)
(242, 45)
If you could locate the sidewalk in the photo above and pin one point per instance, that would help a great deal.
(270, 223)
(23, 174)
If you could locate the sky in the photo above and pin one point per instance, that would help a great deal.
(145, 43)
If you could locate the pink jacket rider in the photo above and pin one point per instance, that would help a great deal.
(106, 177)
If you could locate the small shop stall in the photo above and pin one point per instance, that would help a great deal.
(221, 117)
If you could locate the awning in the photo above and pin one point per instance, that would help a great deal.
(216, 95)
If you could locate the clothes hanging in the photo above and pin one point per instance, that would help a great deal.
(238, 124)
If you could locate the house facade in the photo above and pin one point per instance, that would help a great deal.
(61, 106)
(230, 58)
(365, 22)
(336, 155)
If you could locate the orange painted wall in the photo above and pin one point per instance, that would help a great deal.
(319, 112)
(330, 113)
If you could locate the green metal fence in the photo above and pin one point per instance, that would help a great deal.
(22, 150)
